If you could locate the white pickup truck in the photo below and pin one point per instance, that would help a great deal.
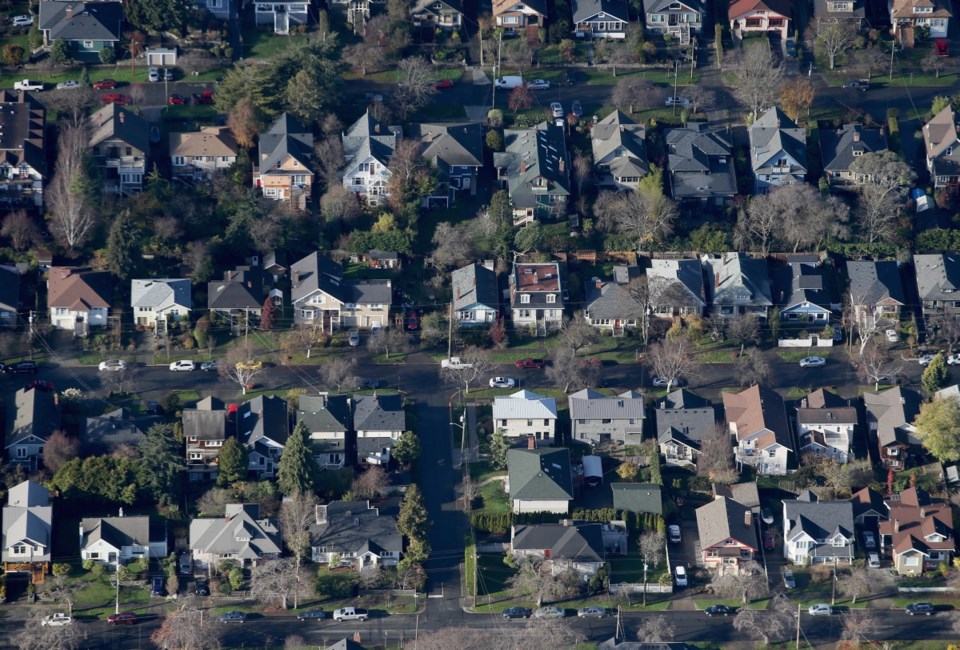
(26, 84)
(56, 620)
(454, 363)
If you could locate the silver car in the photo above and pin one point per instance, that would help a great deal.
(153, 74)
(112, 365)
(549, 612)
(353, 338)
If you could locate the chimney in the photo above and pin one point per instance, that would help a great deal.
(598, 282)
(531, 442)
(856, 136)
(376, 129)
(748, 519)
(566, 522)
(561, 165)
(123, 116)
(69, 12)
(523, 166)
(896, 525)
(923, 512)
(295, 278)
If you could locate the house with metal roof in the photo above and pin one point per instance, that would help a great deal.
(678, 18)
(839, 148)
(456, 152)
(805, 290)
(476, 295)
(78, 299)
(818, 532)
(918, 531)
(534, 168)
(524, 415)
(567, 546)
(728, 535)
(600, 19)
(201, 154)
(360, 535)
(111, 539)
(938, 283)
(875, 287)
(32, 415)
(329, 422)
(748, 17)
(826, 425)
(27, 545)
(890, 416)
(538, 294)
(158, 301)
(205, 431)
(597, 419)
(638, 498)
(88, 27)
(737, 285)
(619, 151)
(368, 146)
(283, 168)
(539, 480)
(119, 146)
(609, 304)
(241, 535)
(757, 417)
(676, 288)
(700, 171)
(23, 162)
(682, 420)
(263, 427)
(778, 147)
(379, 421)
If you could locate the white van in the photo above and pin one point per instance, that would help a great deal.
(509, 82)
(592, 471)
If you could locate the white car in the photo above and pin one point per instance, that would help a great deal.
(112, 365)
(673, 532)
(502, 382)
(892, 335)
(538, 84)
(873, 561)
(56, 620)
(953, 359)
(454, 363)
(925, 359)
(354, 338)
(66, 85)
(821, 609)
(681, 575)
(350, 614)
(22, 21)
(557, 109)
(677, 101)
(153, 74)
(184, 365)
(813, 362)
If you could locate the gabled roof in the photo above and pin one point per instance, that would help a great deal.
(30, 412)
(588, 404)
(574, 543)
(637, 497)
(757, 409)
(368, 138)
(28, 494)
(874, 282)
(115, 531)
(904, 9)
(605, 299)
(325, 413)
(215, 141)
(285, 137)
(78, 289)
(114, 122)
(654, 6)
(22, 121)
(682, 282)
(825, 407)
(447, 7)
(241, 288)
(820, 520)
(894, 411)
(446, 145)
(475, 285)
(700, 163)
(371, 292)
(240, 532)
(81, 21)
(161, 293)
(724, 519)
(355, 527)
(685, 418)
(829, 9)
(738, 280)
(524, 405)
(264, 418)
(619, 144)
(799, 282)
(868, 501)
(317, 272)
(208, 421)
(682, 399)
(586, 9)
(27, 517)
(501, 6)
(839, 148)
(540, 474)
(104, 433)
(774, 132)
(940, 132)
(746, 494)
(916, 522)
(379, 413)
(532, 156)
(740, 7)
(938, 276)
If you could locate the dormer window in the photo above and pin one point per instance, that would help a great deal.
(551, 298)
(857, 153)
(524, 298)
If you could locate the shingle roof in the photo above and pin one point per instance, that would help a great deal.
(286, 136)
(741, 7)
(682, 399)
(446, 7)
(738, 280)
(687, 423)
(317, 272)
(209, 141)
(500, 6)
(540, 474)
(76, 21)
(116, 531)
(637, 497)
(826, 407)
(894, 411)
(241, 288)
(28, 516)
(161, 293)
(800, 282)
(379, 413)
(873, 282)
(828, 8)
(263, 417)
(774, 132)
(700, 163)
(585, 9)
(240, 532)
(30, 412)
(609, 300)
(114, 122)
(446, 145)
(904, 8)
(371, 292)
(325, 413)
(663, 5)
(938, 276)
(683, 280)
(868, 501)
(104, 433)
(28, 494)
(78, 289)
(366, 138)
(837, 147)
(524, 405)
(355, 527)
(205, 424)
(723, 519)
(619, 144)
(588, 404)
(22, 121)
(821, 520)
(574, 543)
(475, 285)
(756, 409)
(746, 494)
(530, 155)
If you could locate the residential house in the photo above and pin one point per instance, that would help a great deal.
(728, 535)
(317, 291)
(9, 296)
(110, 540)
(282, 170)
(700, 171)
(32, 415)
(568, 546)
(524, 414)
(379, 421)
(116, 430)
(682, 420)
(676, 18)
(600, 19)
(938, 283)
(159, 301)
(241, 535)
(263, 427)
(476, 295)
(907, 16)
(205, 431)
(87, 27)
(329, 425)
(78, 298)
(438, 14)
(839, 148)
(534, 167)
(609, 305)
(869, 509)
(23, 163)
(676, 288)
(520, 16)
(826, 425)
(817, 532)
(456, 152)
(539, 480)
(537, 296)
(119, 145)
(890, 417)
(805, 291)
(638, 498)
(876, 287)
(778, 147)
(368, 146)
(282, 14)
(758, 420)
(383, 260)
(221, 9)
(28, 531)
(619, 151)
(598, 419)
(918, 531)
(737, 285)
(748, 17)
(239, 296)
(356, 534)
(199, 155)
(746, 494)
(852, 10)
(941, 144)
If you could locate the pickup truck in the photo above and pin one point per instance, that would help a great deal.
(26, 84)
(350, 614)
(56, 620)
(455, 363)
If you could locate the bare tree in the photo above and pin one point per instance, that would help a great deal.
(274, 581)
(452, 246)
(20, 229)
(329, 155)
(36, 636)
(874, 365)
(241, 365)
(647, 294)
(59, 450)
(474, 364)
(756, 77)
(297, 513)
(517, 54)
(71, 218)
(340, 371)
(858, 624)
(363, 57)
(746, 582)
(946, 328)
(633, 93)
(568, 370)
(535, 578)
(578, 333)
(185, 629)
(415, 85)
(60, 590)
(643, 216)
(656, 629)
(339, 204)
(307, 335)
(700, 97)
(854, 584)
(389, 340)
(768, 626)
(859, 320)
(652, 543)
(581, 169)
(754, 368)
(792, 216)
(371, 484)
(716, 455)
(835, 36)
(670, 359)
(883, 180)
(243, 122)
(744, 329)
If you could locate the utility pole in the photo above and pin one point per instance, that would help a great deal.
(798, 626)
(450, 332)
(693, 56)
(893, 48)
(676, 71)
(496, 68)
(645, 565)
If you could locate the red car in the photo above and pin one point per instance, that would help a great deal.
(444, 84)
(104, 84)
(412, 323)
(206, 97)
(42, 384)
(769, 539)
(123, 618)
(176, 100)
(115, 98)
(529, 363)
(943, 47)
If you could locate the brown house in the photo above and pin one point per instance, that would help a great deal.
(919, 532)
(728, 537)
(282, 171)
(517, 16)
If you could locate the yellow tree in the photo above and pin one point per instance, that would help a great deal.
(796, 97)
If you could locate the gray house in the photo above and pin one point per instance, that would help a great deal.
(875, 287)
(608, 305)
(205, 431)
(942, 146)
(778, 151)
(368, 146)
(32, 415)
(738, 285)
(700, 169)
(598, 419)
(317, 290)
(241, 535)
(476, 297)
(360, 535)
(539, 480)
(263, 426)
(104, 434)
(571, 546)
(456, 152)
(818, 532)
(841, 147)
(805, 290)
(87, 26)
(239, 295)
(600, 19)
(27, 531)
(678, 18)
(329, 422)
(682, 420)
(619, 151)
(938, 283)
(535, 170)
(676, 288)
(158, 301)
(379, 421)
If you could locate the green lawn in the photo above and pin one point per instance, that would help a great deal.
(98, 598)
(793, 355)
(493, 575)
(122, 73)
(262, 43)
(390, 76)
(494, 498)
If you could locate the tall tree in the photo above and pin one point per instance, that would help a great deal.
(158, 15)
(882, 179)
(632, 93)
(474, 364)
(834, 35)
(855, 583)
(412, 520)
(936, 375)
(233, 462)
(240, 366)
(452, 246)
(71, 216)
(874, 365)
(415, 85)
(124, 246)
(671, 359)
(372, 483)
(362, 57)
(571, 372)
(20, 229)
(59, 450)
(306, 98)
(243, 122)
(266, 314)
(297, 469)
(756, 77)
(749, 582)
(754, 368)
(766, 625)
(161, 465)
(937, 426)
(407, 448)
(578, 333)
(645, 216)
(339, 372)
(535, 578)
(297, 514)
(716, 455)
(656, 629)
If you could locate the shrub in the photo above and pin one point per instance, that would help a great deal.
(61, 569)
(342, 584)
(88, 565)
(98, 569)
(236, 578)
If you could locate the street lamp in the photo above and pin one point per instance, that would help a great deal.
(117, 609)
(463, 436)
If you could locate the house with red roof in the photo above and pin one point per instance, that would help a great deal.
(918, 532)
(751, 16)
(78, 298)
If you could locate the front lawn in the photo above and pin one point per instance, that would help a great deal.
(98, 598)
(495, 500)
(794, 355)
(493, 576)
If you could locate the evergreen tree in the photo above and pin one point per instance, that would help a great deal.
(935, 375)
(498, 449)
(123, 246)
(297, 470)
(412, 520)
(407, 448)
(161, 464)
(233, 463)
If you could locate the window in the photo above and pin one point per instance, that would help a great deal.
(88, 45)
(546, 422)
(19, 549)
(551, 298)
(911, 560)
(300, 179)
(605, 421)
(503, 423)
(524, 298)
(94, 556)
(195, 455)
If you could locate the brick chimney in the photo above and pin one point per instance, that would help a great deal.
(531, 442)
(748, 519)
(561, 165)
(523, 167)
(856, 136)
(896, 525)
(923, 512)
(69, 12)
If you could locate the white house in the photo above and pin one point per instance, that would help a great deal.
(241, 535)
(78, 299)
(27, 530)
(907, 15)
(160, 301)
(678, 18)
(758, 420)
(600, 19)
(568, 546)
(476, 298)
(818, 532)
(539, 480)
(200, 154)
(525, 414)
(368, 146)
(778, 151)
(826, 425)
(281, 14)
(108, 539)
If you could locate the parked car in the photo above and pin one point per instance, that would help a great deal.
(184, 365)
(153, 74)
(22, 368)
(530, 363)
(549, 612)
(156, 586)
(820, 609)
(312, 615)
(942, 46)
(177, 100)
(104, 84)
(444, 84)
(925, 609)
(411, 322)
(206, 97)
(502, 382)
(791, 47)
(718, 610)
(681, 575)
(891, 335)
(517, 612)
(454, 363)
(769, 539)
(67, 85)
(873, 560)
(953, 359)
(556, 109)
(233, 617)
(788, 580)
(123, 618)
(767, 516)
(661, 382)
(208, 366)
(56, 620)
(538, 84)
(26, 84)
(43, 385)
(112, 365)
(813, 362)
(576, 108)
(353, 338)
(350, 614)
(673, 532)
(869, 540)
(592, 612)
(857, 85)
(925, 359)
(184, 563)
(115, 98)
(677, 101)
(201, 588)
(22, 21)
